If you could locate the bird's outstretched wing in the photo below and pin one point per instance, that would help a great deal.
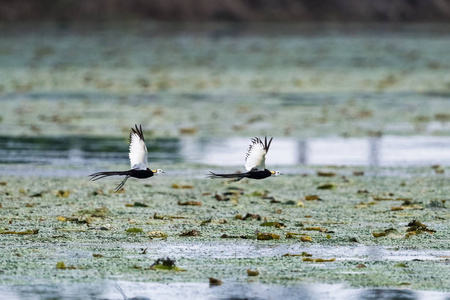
(138, 150)
(256, 154)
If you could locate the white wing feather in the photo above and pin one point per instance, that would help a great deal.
(256, 156)
(138, 152)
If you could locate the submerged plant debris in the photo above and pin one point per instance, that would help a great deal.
(167, 264)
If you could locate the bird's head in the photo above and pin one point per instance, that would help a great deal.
(158, 171)
(275, 173)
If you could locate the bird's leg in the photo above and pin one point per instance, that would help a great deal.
(122, 183)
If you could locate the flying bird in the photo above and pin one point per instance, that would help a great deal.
(138, 160)
(255, 162)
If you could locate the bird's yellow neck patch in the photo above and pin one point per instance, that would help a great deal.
(273, 172)
(154, 171)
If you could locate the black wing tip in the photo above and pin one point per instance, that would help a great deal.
(137, 130)
(267, 145)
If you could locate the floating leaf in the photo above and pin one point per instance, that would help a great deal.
(439, 171)
(388, 232)
(292, 235)
(325, 174)
(166, 217)
(157, 234)
(303, 254)
(381, 198)
(176, 186)
(192, 232)
(312, 197)
(134, 230)
(321, 229)
(327, 186)
(364, 205)
(97, 255)
(74, 219)
(306, 238)
(252, 273)
(400, 265)
(252, 216)
(318, 260)
(61, 265)
(226, 236)
(361, 266)
(272, 224)
(190, 203)
(36, 195)
(188, 130)
(100, 212)
(221, 198)
(288, 202)
(205, 222)
(62, 194)
(263, 193)
(26, 232)
(98, 193)
(407, 207)
(267, 236)
(214, 281)
(418, 227)
(136, 204)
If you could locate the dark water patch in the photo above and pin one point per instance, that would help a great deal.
(76, 150)
(202, 290)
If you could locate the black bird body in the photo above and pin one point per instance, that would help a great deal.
(238, 176)
(254, 162)
(138, 161)
(141, 174)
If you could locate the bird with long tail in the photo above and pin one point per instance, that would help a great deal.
(255, 162)
(138, 161)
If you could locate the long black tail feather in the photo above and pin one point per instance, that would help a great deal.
(236, 176)
(100, 175)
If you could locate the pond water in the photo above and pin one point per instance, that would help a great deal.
(70, 94)
(227, 291)
(76, 156)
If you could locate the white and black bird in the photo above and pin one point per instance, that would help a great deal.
(255, 162)
(138, 160)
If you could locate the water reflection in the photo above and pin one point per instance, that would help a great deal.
(152, 290)
(367, 151)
